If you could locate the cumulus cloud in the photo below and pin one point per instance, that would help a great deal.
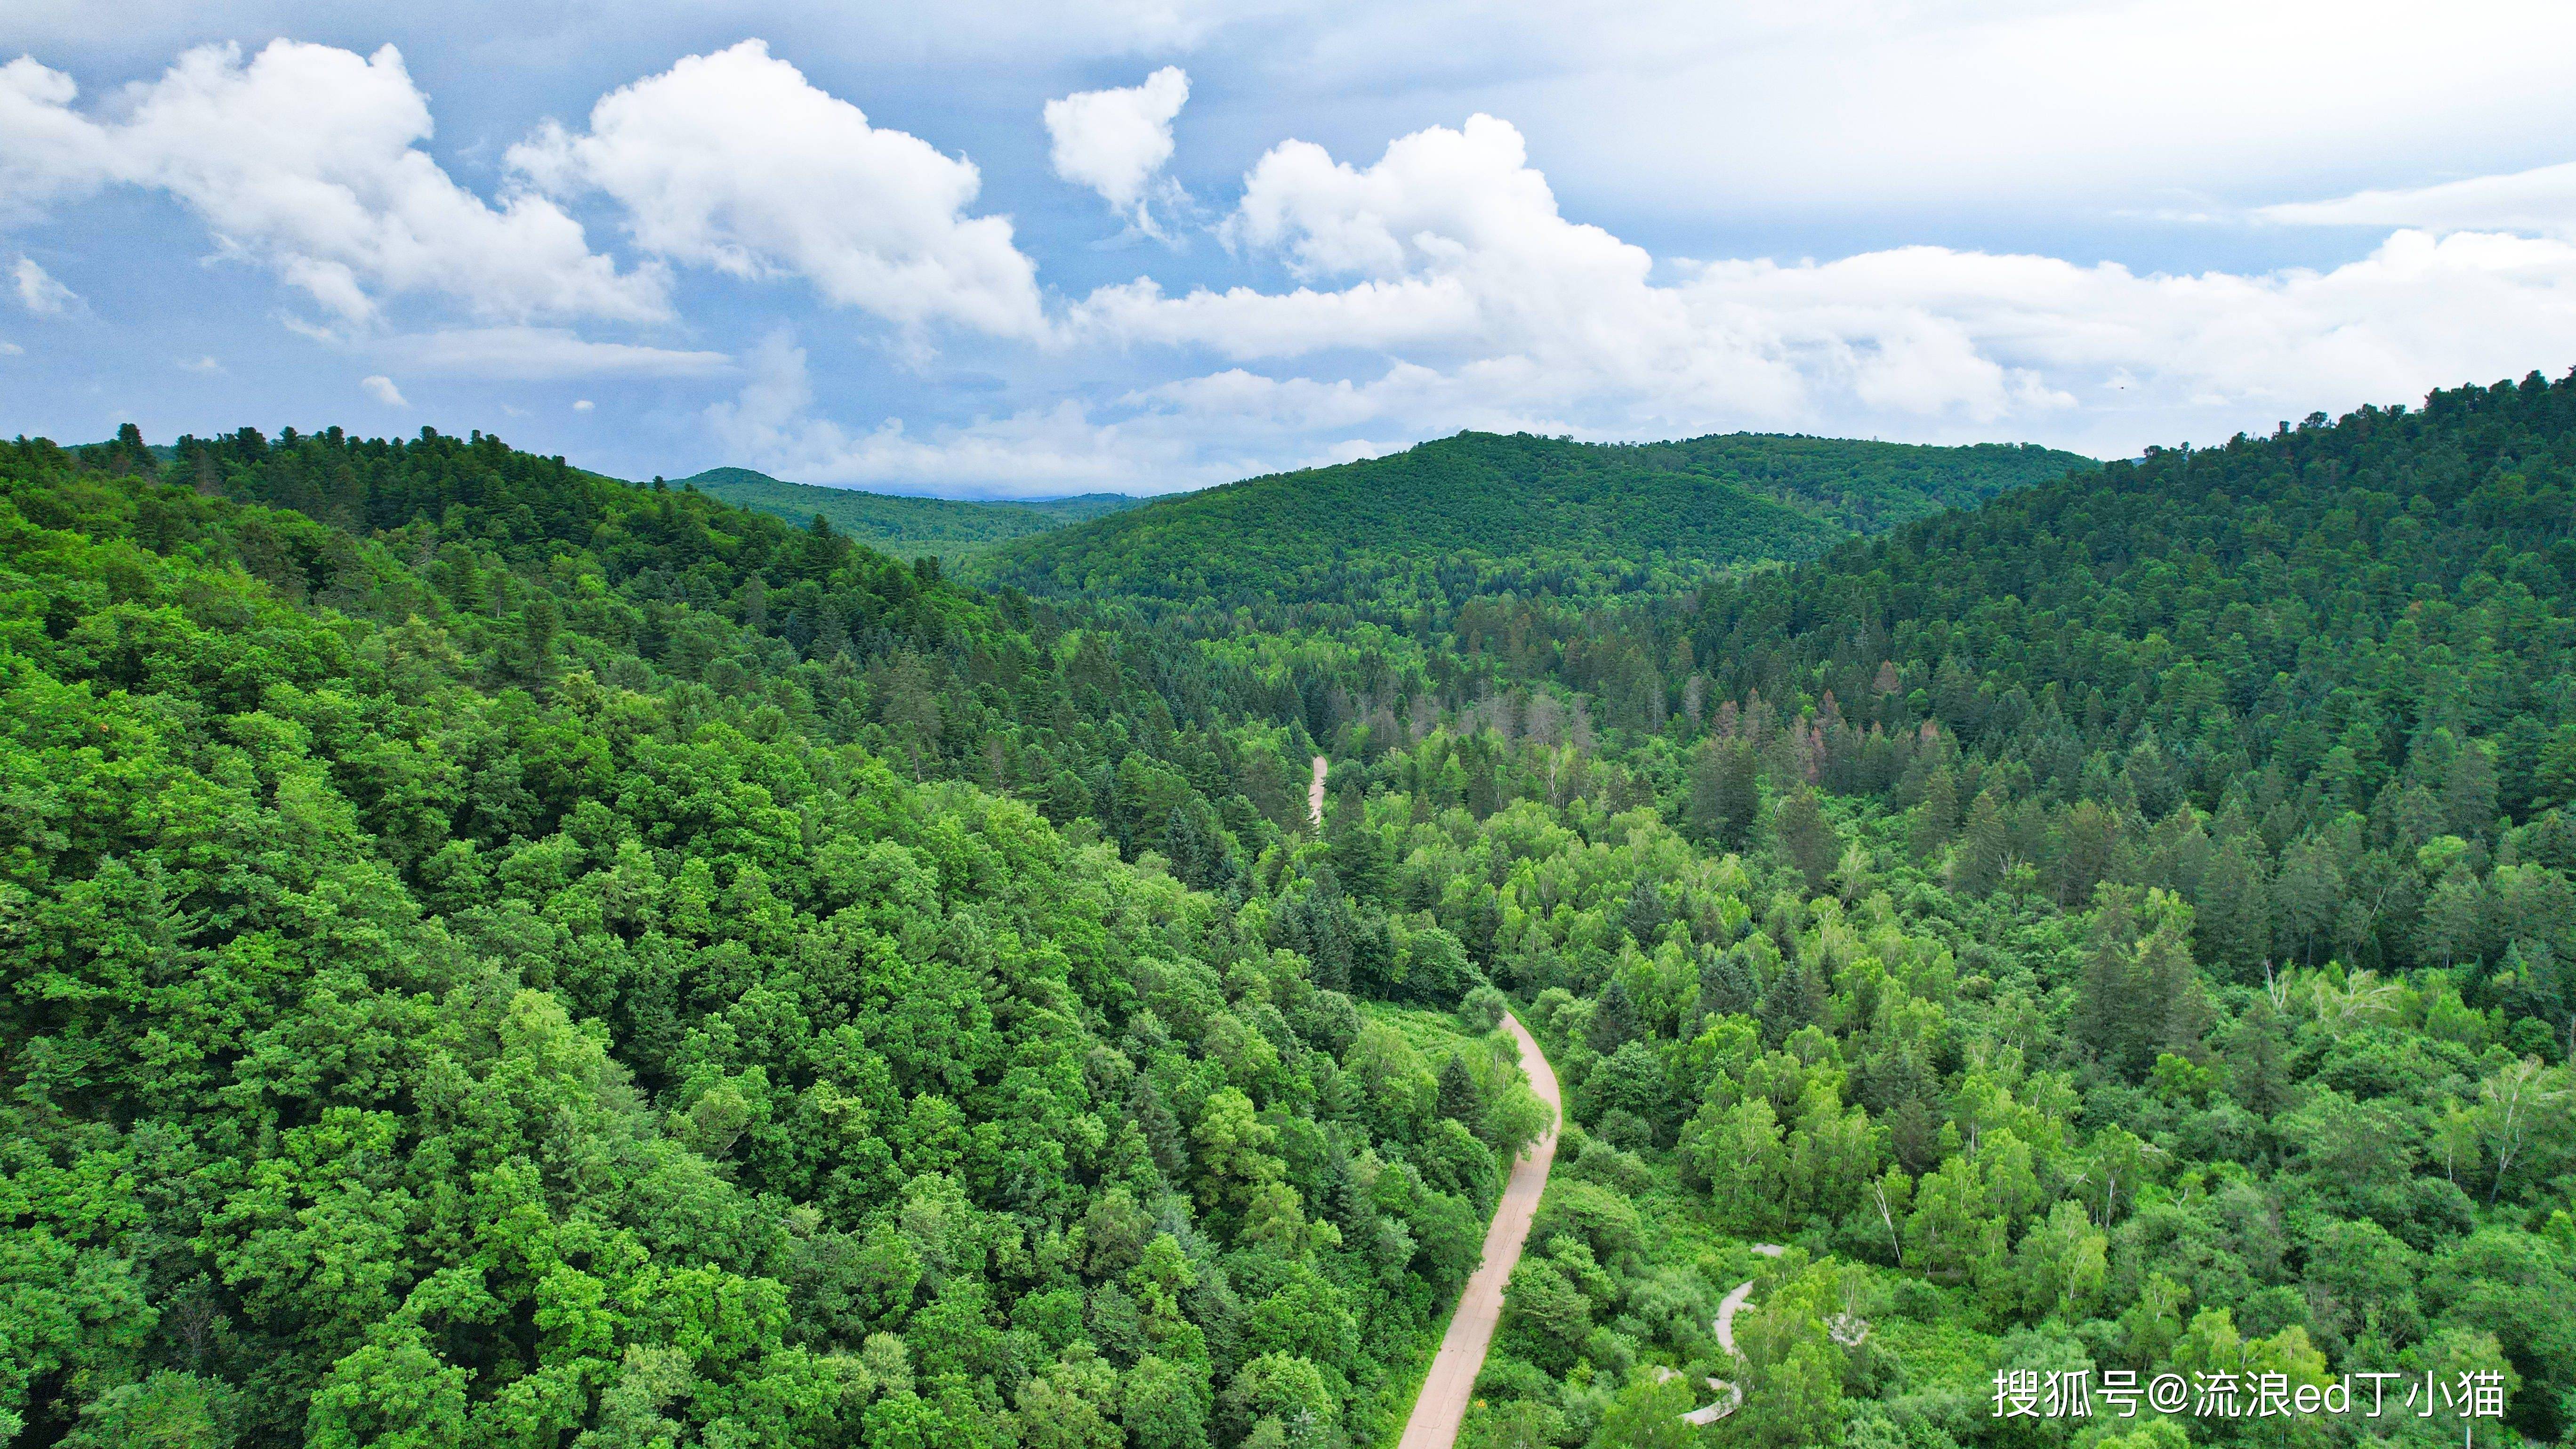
(11, 349)
(307, 158)
(1117, 141)
(1436, 284)
(545, 354)
(1451, 253)
(38, 291)
(1441, 287)
(1450, 259)
(735, 161)
(2542, 200)
(382, 389)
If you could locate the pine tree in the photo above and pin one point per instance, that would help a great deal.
(1724, 796)
(2469, 792)
(1459, 1096)
(1806, 838)
(1984, 850)
(1645, 915)
(2177, 1004)
(1726, 983)
(1937, 816)
(2107, 990)
(1356, 849)
(2234, 921)
(2306, 896)
(2258, 1060)
(1796, 997)
(1614, 1017)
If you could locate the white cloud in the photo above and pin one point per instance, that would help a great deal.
(1455, 257)
(206, 364)
(2541, 200)
(1032, 453)
(38, 291)
(2418, 312)
(382, 389)
(544, 354)
(1117, 141)
(307, 158)
(1934, 113)
(735, 161)
(1489, 308)
(583, 405)
(1441, 287)
(11, 349)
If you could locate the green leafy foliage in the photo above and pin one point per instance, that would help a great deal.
(1479, 514)
(498, 955)
(448, 1006)
(950, 530)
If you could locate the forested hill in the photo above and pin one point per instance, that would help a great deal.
(2125, 927)
(2340, 643)
(495, 956)
(500, 956)
(948, 529)
(1481, 513)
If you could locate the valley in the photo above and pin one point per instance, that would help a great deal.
(1468, 947)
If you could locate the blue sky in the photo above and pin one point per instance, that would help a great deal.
(973, 250)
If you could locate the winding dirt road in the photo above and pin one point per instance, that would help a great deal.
(1733, 1302)
(1315, 794)
(1731, 1394)
(1452, 1380)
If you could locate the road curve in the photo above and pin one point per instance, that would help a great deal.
(1442, 1405)
(1731, 1395)
(1733, 1302)
(1315, 794)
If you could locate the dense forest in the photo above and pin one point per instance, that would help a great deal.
(948, 529)
(451, 1006)
(1405, 538)
(503, 956)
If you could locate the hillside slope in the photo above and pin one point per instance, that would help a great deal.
(2125, 924)
(485, 967)
(1482, 513)
(948, 529)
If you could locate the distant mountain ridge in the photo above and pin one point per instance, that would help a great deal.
(1482, 513)
(949, 529)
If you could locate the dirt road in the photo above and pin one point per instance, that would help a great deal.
(1315, 794)
(1452, 1380)
(1734, 1300)
(1731, 1396)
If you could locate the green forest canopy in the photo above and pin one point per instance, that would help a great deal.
(948, 529)
(435, 1022)
(1481, 513)
(548, 961)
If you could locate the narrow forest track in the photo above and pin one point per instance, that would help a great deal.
(1442, 1404)
(1315, 794)
(1733, 1303)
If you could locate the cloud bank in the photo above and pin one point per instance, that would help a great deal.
(2541, 200)
(1353, 303)
(1470, 300)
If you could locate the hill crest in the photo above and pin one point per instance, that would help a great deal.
(1486, 512)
